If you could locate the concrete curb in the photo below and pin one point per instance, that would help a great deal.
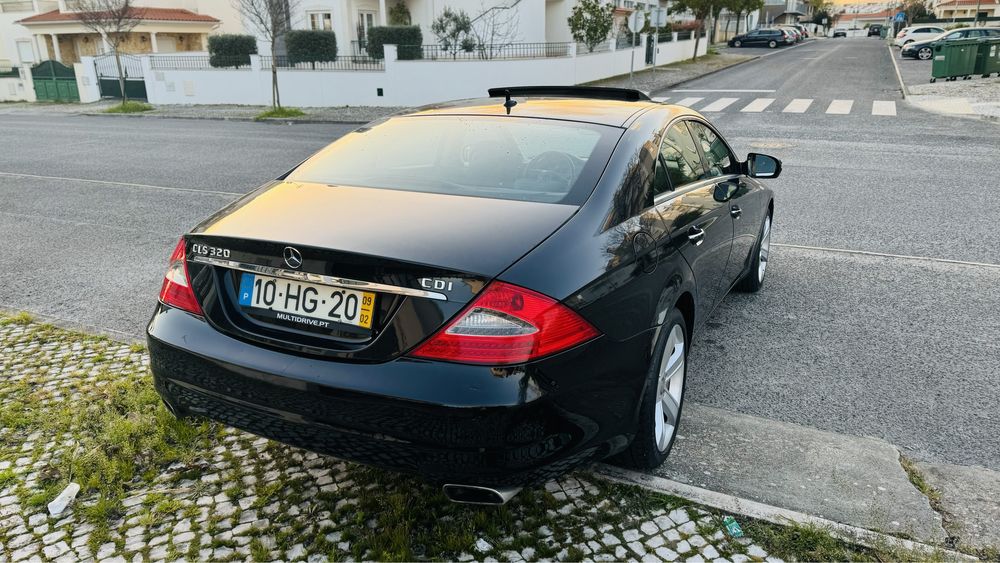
(280, 121)
(899, 75)
(772, 514)
(74, 326)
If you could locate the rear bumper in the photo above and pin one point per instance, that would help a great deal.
(446, 422)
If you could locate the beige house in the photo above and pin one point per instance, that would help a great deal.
(32, 31)
(967, 9)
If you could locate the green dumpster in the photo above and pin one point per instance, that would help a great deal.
(988, 57)
(953, 59)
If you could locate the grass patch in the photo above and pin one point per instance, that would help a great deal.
(129, 107)
(280, 113)
(21, 318)
(917, 478)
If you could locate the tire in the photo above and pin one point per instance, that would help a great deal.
(658, 424)
(754, 278)
(737, 44)
(772, 44)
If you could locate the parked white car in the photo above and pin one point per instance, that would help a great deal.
(916, 33)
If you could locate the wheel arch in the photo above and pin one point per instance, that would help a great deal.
(685, 303)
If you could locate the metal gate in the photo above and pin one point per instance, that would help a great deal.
(54, 81)
(107, 76)
(650, 49)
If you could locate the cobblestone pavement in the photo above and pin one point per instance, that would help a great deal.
(80, 408)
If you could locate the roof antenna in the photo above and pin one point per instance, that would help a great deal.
(508, 103)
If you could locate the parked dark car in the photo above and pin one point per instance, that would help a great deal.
(769, 37)
(486, 293)
(923, 50)
(839, 32)
(875, 30)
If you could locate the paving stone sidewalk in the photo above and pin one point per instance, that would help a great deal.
(228, 495)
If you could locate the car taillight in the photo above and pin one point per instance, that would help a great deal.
(504, 325)
(176, 290)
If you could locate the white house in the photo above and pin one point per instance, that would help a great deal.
(522, 21)
(32, 31)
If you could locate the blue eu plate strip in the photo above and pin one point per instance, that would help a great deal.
(246, 289)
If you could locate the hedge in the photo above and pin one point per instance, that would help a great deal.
(407, 37)
(231, 50)
(311, 46)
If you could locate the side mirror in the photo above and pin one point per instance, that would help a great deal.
(762, 166)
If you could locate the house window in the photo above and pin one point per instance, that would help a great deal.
(25, 52)
(321, 21)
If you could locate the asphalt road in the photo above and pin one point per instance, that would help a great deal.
(872, 345)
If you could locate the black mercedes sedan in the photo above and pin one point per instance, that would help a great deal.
(485, 293)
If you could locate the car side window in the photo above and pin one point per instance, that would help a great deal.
(678, 162)
(718, 160)
(956, 35)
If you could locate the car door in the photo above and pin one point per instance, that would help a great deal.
(733, 191)
(752, 38)
(696, 223)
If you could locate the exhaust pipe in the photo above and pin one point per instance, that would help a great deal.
(178, 413)
(474, 494)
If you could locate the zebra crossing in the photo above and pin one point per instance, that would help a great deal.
(704, 104)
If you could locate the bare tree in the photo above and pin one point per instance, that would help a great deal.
(495, 28)
(271, 19)
(113, 20)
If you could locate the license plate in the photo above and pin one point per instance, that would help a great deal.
(291, 300)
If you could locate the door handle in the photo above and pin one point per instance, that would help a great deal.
(696, 235)
(735, 211)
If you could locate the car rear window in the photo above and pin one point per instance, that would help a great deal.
(526, 159)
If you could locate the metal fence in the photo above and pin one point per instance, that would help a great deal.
(602, 47)
(199, 62)
(627, 40)
(665, 37)
(9, 72)
(684, 35)
(492, 52)
(340, 63)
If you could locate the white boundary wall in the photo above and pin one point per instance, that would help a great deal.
(18, 88)
(403, 83)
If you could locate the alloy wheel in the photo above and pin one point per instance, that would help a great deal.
(924, 54)
(670, 388)
(765, 249)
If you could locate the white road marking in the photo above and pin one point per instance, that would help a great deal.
(840, 107)
(720, 104)
(120, 184)
(798, 105)
(885, 255)
(688, 102)
(726, 90)
(883, 108)
(660, 98)
(758, 105)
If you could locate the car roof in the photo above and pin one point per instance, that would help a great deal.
(615, 113)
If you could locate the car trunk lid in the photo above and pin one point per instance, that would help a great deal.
(418, 257)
